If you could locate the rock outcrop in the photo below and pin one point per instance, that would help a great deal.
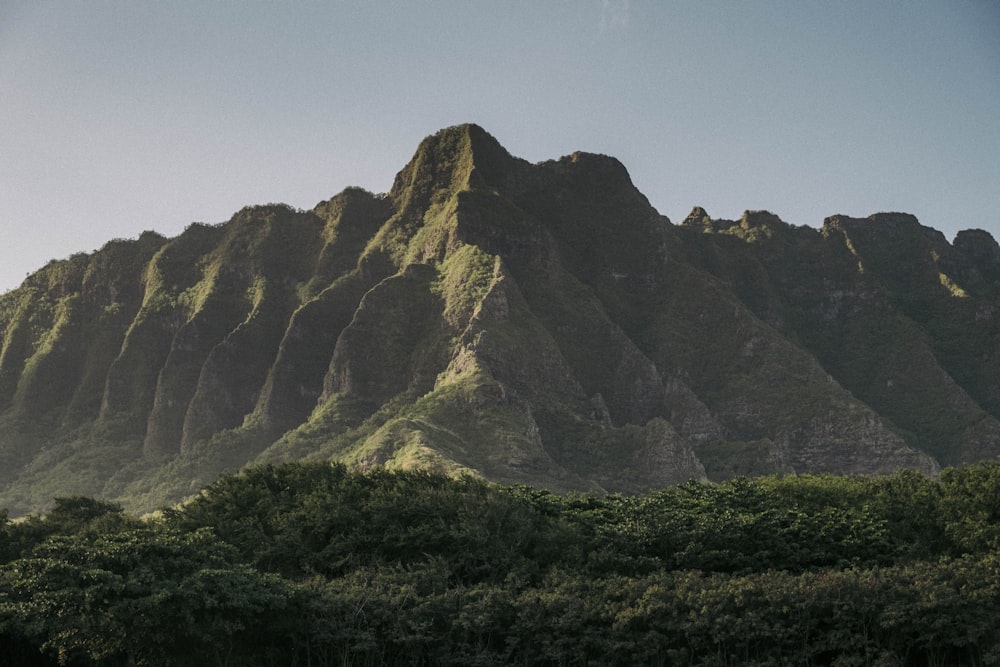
(529, 323)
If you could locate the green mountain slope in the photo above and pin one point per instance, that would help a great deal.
(528, 323)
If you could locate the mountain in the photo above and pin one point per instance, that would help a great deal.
(529, 323)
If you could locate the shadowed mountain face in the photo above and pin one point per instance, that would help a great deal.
(530, 323)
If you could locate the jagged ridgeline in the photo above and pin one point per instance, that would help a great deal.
(529, 323)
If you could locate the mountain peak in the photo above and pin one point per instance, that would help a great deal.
(698, 218)
(465, 137)
(888, 225)
(532, 323)
(454, 158)
(981, 247)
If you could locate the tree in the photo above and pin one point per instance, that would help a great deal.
(970, 506)
(147, 596)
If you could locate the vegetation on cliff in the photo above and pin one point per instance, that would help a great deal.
(532, 324)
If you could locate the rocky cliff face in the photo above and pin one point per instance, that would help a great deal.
(532, 323)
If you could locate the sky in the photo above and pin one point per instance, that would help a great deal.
(118, 117)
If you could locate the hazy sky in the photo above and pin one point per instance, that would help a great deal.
(117, 117)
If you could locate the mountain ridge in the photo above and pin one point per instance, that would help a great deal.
(529, 323)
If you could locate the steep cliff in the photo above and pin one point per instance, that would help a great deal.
(530, 323)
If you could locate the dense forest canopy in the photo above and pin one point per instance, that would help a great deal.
(312, 564)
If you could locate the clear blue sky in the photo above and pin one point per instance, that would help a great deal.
(122, 116)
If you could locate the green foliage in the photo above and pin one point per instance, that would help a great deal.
(464, 280)
(313, 564)
(153, 596)
(970, 506)
(301, 519)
